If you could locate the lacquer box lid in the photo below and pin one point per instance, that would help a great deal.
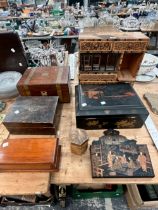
(110, 99)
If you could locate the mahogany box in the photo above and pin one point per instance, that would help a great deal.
(33, 115)
(46, 81)
(114, 105)
(40, 154)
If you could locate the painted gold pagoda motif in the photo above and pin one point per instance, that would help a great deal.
(114, 155)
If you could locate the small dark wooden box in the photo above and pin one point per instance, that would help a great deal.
(46, 81)
(109, 106)
(41, 154)
(33, 115)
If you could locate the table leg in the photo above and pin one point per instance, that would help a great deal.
(156, 40)
(62, 195)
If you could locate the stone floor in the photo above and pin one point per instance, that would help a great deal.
(83, 204)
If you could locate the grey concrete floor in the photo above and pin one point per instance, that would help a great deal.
(81, 204)
(118, 203)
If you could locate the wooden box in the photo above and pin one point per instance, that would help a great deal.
(33, 115)
(29, 155)
(113, 105)
(3, 3)
(109, 55)
(79, 141)
(46, 81)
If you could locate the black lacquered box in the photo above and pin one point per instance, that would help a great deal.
(114, 105)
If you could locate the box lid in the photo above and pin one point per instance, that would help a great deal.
(45, 75)
(116, 98)
(108, 33)
(29, 154)
(34, 110)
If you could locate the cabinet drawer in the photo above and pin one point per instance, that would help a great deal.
(96, 46)
(129, 46)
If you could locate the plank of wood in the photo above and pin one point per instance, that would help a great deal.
(24, 183)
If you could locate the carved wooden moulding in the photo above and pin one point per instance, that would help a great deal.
(98, 79)
(112, 41)
(106, 46)
(138, 46)
(95, 46)
(114, 155)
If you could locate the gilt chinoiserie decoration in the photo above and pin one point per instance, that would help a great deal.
(113, 155)
(103, 106)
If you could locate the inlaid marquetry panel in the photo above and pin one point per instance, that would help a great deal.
(97, 77)
(96, 46)
(129, 46)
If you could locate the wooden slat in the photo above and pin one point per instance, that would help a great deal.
(23, 183)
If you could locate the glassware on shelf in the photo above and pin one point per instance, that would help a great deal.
(130, 23)
(68, 20)
(105, 19)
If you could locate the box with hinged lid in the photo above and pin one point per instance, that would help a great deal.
(115, 105)
(37, 115)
